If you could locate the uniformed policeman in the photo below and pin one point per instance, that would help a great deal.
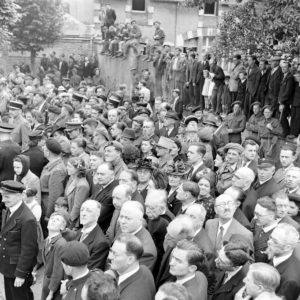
(18, 242)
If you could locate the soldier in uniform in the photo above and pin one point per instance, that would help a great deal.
(18, 240)
(269, 132)
(163, 149)
(257, 116)
(235, 123)
(232, 162)
(21, 130)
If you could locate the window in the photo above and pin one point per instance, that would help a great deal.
(209, 8)
(138, 5)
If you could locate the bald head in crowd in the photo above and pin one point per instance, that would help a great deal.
(156, 203)
(243, 178)
(121, 194)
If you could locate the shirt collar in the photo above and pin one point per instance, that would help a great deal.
(230, 274)
(278, 260)
(88, 229)
(184, 207)
(135, 232)
(14, 208)
(270, 227)
(225, 226)
(184, 280)
(123, 277)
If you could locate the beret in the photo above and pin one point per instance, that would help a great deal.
(139, 120)
(118, 146)
(141, 104)
(144, 110)
(255, 103)
(128, 133)
(77, 97)
(234, 146)
(53, 146)
(11, 186)
(237, 102)
(252, 138)
(289, 146)
(74, 254)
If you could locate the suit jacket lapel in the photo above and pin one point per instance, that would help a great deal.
(12, 221)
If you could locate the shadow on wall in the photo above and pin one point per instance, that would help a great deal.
(115, 71)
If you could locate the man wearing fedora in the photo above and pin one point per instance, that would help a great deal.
(163, 149)
(21, 130)
(18, 239)
(171, 125)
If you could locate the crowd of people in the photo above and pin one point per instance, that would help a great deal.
(137, 195)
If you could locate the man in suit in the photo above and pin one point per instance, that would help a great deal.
(185, 261)
(287, 157)
(135, 281)
(18, 239)
(218, 77)
(292, 181)
(263, 83)
(177, 105)
(243, 179)
(191, 76)
(131, 221)
(282, 203)
(54, 272)
(198, 213)
(250, 154)
(260, 283)
(106, 179)
(232, 261)
(63, 66)
(195, 156)
(187, 193)
(223, 227)
(91, 234)
(274, 81)
(266, 184)
(264, 223)
(253, 78)
(281, 252)
(285, 97)
(8, 151)
(171, 125)
(178, 229)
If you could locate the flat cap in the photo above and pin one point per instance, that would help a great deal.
(15, 105)
(144, 110)
(77, 97)
(189, 119)
(252, 138)
(139, 120)
(289, 146)
(54, 109)
(128, 133)
(118, 146)
(90, 121)
(35, 135)
(255, 103)
(237, 102)
(73, 124)
(53, 146)
(234, 146)
(265, 163)
(165, 142)
(5, 127)
(269, 107)
(11, 186)
(172, 115)
(74, 254)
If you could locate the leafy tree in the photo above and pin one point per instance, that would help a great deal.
(8, 17)
(40, 25)
(259, 26)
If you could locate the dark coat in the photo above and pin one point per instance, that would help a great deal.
(191, 72)
(241, 218)
(37, 160)
(227, 291)
(263, 86)
(64, 68)
(253, 79)
(274, 86)
(249, 203)
(18, 244)
(54, 272)
(178, 106)
(74, 288)
(164, 270)
(203, 241)
(98, 246)
(290, 278)
(8, 151)
(104, 197)
(286, 89)
(197, 287)
(219, 75)
(173, 203)
(139, 286)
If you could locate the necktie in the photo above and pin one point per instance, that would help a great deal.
(219, 238)
(225, 277)
(191, 172)
(83, 236)
(7, 215)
